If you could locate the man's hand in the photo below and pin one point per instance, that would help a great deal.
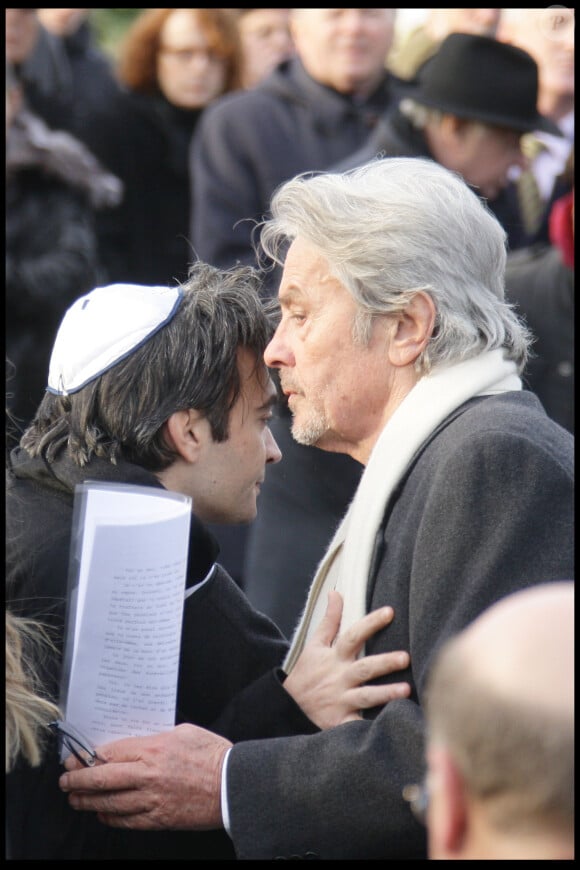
(170, 780)
(328, 681)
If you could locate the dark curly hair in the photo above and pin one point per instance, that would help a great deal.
(191, 362)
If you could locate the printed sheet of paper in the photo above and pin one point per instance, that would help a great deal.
(127, 582)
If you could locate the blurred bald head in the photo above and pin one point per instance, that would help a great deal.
(500, 711)
(522, 648)
(548, 35)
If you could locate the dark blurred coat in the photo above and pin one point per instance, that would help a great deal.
(486, 507)
(250, 142)
(145, 141)
(68, 79)
(302, 502)
(53, 188)
(542, 288)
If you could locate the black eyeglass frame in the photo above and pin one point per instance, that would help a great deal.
(73, 740)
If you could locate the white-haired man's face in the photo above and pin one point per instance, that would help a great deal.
(345, 49)
(340, 391)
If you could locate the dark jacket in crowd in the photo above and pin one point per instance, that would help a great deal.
(54, 187)
(542, 287)
(249, 142)
(68, 79)
(145, 141)
(395, 136)
(229, 679)
(301, 504)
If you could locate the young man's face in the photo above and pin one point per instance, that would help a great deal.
(226, 478)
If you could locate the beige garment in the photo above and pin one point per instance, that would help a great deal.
(411, 52)
(532, 206)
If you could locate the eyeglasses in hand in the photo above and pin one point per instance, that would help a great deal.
(74, 741)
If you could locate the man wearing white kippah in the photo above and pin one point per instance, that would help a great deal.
(396, 346)
(167, 387)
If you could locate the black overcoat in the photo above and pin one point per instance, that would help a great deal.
(229, 680)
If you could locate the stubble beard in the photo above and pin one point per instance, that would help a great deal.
(310, 431)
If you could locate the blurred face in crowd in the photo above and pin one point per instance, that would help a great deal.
(189, 72)
(481, 153)
(266, 41)
(483, 22)
(62, 21)
(345, 49)
(21, 34)
(548, 35)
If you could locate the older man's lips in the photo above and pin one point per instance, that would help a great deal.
(287, 389)
(290, 395)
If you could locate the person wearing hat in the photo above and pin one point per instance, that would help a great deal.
(467, 109)
(548, 34)
(416, 44)
(166, 387)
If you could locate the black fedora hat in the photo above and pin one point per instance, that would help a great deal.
(482, 79)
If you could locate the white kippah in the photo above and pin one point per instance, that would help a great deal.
(103, 327)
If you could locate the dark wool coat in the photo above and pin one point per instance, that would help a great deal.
(486, 508)
(248, 143)
(51, 259)
(229, 677)
(54, 187)
(145, 140)
(302, 502)
(68, 79)
(542, 288)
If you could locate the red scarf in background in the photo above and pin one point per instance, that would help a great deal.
(562, 227)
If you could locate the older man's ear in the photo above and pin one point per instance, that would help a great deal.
(413, 330)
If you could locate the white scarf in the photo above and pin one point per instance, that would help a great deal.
(346, 563)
